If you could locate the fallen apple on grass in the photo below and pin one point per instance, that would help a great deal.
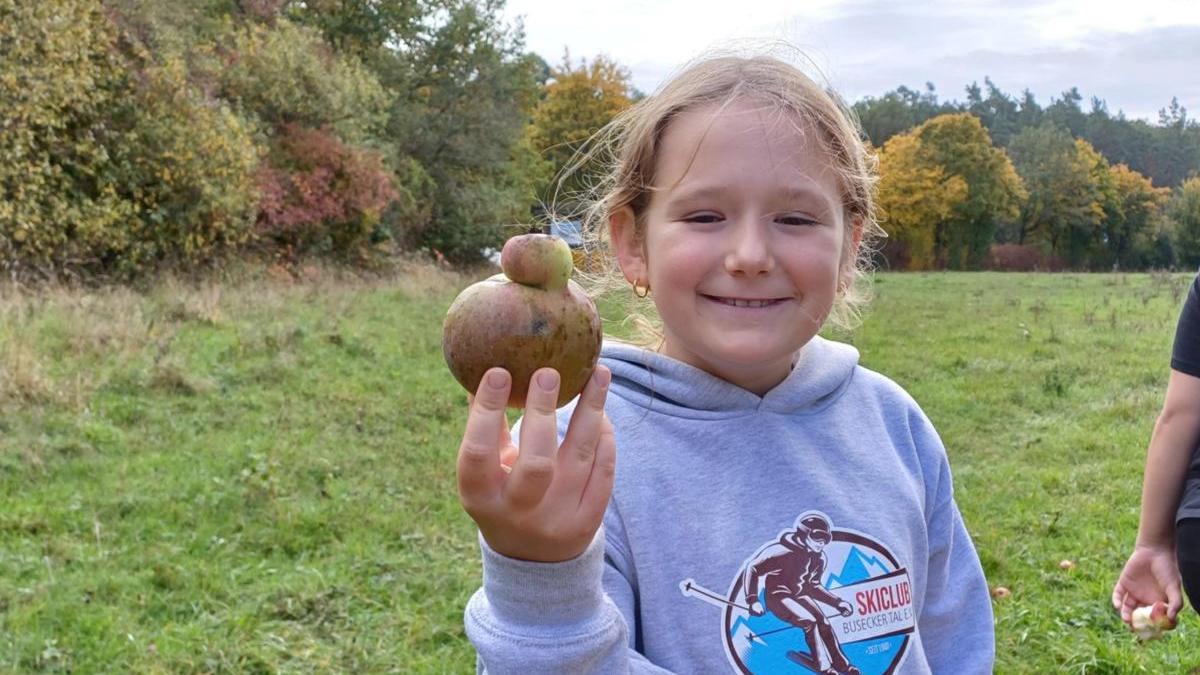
(1150, 622)
(532, 316)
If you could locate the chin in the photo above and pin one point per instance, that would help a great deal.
(754, 355)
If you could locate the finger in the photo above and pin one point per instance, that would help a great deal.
(578, 452)
(594, 500)
(1128, 604)
(479, 472)
(534, 469)
(505, 438)
(1174, 599)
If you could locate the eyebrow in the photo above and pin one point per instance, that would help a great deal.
(789, 193)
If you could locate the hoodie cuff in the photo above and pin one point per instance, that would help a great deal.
(536, 593)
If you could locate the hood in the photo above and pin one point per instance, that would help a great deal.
(671, 387)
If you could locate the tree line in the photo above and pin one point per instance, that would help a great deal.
(1000, 181)
(142, 134)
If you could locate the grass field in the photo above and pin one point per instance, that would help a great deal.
(257, 477)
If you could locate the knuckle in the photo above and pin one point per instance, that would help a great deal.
(537, 468)
(584, 452)
(522, 499)
(490, 401)
(595, 400)
(607, 467)
(541, 404)
(473, 455)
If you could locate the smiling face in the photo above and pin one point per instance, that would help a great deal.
(745, 242)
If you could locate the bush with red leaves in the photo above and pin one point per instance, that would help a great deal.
(1021, 258)
(317, 193)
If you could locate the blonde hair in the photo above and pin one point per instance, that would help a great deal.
(627, 150)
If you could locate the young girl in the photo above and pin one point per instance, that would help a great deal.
(767, 503)
(1168, 539)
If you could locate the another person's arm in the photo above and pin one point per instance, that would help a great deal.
(1151, 573)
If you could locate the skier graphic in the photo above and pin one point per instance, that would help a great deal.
(789, 571)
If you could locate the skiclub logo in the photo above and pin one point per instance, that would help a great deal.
(817, 599)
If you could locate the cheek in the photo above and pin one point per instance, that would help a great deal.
(820, 264)
(677, 258)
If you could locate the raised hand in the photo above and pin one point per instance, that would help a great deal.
(537, 501)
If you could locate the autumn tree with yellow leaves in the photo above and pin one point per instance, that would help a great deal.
(579, 100)
(961, 146)
(914, 196)
(943, 189)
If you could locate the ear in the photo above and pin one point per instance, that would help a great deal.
(631, 254)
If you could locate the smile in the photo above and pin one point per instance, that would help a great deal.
(740, 302)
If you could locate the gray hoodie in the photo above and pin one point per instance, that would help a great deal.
(812, 529)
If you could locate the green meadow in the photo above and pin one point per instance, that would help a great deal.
(255, 475)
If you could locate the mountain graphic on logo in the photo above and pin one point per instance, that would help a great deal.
(858, 567)
(741, 627)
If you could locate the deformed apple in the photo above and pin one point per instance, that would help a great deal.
(1150, 622)
(531, 316)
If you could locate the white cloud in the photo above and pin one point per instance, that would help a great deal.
(1135, 55)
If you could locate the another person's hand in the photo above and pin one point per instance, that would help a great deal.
(539, 501)
(845, 609)
(755, 608)
(1151, 575)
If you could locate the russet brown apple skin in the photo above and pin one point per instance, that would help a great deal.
(498, 322)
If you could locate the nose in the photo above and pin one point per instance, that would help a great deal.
(749, 251)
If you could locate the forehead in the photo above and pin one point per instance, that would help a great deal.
(742, 144)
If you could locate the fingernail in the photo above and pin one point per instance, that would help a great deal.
(548, 379)
(605, 377)
(497, 379)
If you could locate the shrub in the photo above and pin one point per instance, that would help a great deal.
(188, 165)
(410, 214)
(319, 193)
(1020, 258)
(58, 86)
(286, 74)
(107, 164)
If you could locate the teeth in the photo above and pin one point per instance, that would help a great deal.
(747, 303)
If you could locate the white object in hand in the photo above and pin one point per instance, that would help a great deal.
(1150, 622)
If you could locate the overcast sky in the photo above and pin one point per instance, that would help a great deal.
(1134, 54)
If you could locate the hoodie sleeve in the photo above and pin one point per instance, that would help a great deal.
(568, 617)
(575, 616)
(956, 625)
